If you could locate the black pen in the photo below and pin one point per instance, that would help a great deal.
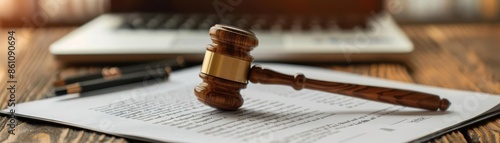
(102, 83)
(115, 72)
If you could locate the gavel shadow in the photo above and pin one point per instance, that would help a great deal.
(398, 113)
(260, 115)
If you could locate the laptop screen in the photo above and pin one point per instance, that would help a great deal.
(285, 7)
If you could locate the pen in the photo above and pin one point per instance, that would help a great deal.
(102, 83)
(115, 72)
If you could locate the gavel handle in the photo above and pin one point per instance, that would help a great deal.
(380, 94)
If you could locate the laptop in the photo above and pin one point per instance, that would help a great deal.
(302, 31)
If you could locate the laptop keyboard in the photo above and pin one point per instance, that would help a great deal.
(205, 21)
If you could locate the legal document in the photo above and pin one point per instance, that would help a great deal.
(168, 111)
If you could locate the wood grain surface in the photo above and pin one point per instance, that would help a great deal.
(458, 56)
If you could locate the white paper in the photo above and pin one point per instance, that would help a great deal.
(169, 111)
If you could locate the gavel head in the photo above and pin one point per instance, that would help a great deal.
(225, 67)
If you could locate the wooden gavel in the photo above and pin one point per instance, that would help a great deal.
(226, 69)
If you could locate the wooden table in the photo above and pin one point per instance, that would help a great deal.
(458, 56)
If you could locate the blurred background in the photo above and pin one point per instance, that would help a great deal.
(39, 13)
